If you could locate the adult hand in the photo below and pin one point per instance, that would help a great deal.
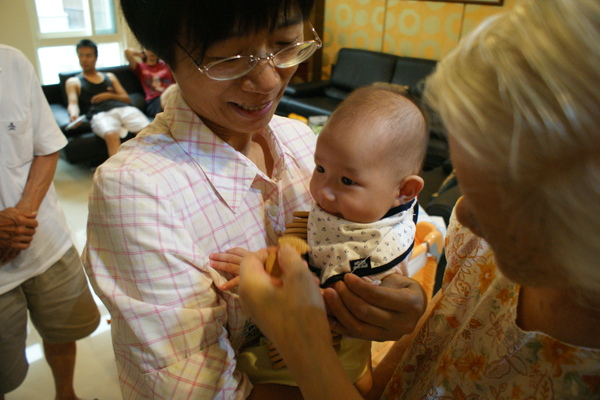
(229, 262)
(8, 254)
(17, 228)
(386, 312)
(286, 308)
(100, 97)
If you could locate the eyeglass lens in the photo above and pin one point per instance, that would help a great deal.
(235, 67)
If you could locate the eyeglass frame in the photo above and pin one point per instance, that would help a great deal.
(253, 59)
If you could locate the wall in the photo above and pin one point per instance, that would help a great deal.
(16, 30)
(423, 29)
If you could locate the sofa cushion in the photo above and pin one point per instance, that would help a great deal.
(307, 106)
(357, 67)
(409, 71)
(336, 93)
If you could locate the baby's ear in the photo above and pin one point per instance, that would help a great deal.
(410, 187)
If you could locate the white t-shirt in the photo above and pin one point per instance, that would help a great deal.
(28, 129)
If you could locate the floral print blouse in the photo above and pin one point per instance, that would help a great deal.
(472, 349)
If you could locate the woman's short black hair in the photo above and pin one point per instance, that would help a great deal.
(198, 24)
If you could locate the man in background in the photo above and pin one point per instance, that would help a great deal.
(102, 98)
(40, 269)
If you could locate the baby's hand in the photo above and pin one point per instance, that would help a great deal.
(228, 262)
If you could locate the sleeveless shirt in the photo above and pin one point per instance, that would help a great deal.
(89, 90)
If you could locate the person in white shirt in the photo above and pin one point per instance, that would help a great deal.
(40, 269)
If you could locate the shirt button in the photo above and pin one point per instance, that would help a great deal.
(273, 211)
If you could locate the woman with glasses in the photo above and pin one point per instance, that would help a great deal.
(216, 170)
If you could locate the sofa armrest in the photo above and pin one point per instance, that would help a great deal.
(307, 89)
(53, 93)
(61, 115)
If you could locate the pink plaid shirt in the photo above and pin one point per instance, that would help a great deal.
(167, 199)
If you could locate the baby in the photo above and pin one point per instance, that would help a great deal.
(365, 183)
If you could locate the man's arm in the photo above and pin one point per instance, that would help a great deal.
(133, 57)
(120, 93)
(72, 88)
(40, 177)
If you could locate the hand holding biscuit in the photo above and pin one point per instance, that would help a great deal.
(272, 266)
(271, 301)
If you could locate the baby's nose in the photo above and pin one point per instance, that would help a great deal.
(326, 195)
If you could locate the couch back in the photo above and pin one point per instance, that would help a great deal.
(356, 68)
(409, 71)
(124, 74)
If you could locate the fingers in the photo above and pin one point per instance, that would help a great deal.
(17, 226)
(225, 262)
(290, 261)
(345, 322)
(8, 254)
(230, 284)
(17, 238)
(375, 312)
(228, 262)
(253, 276)
(365, 307)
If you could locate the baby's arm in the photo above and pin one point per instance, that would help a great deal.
(229, 262)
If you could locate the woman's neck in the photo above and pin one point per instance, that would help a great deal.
(557, 313)
(252, 145)
(241, 141)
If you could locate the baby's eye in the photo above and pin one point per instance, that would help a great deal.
(319, 169)
(347, 181)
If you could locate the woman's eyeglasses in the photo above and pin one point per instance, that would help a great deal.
(237, 66)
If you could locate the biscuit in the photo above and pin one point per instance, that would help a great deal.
(270, 263)
(295, 230)
(299, 244)
(295, 224)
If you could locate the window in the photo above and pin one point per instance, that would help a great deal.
(57, 59)
(75, 17)
(60, 24)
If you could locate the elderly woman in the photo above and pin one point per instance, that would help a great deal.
(215, 171)
(519, 311)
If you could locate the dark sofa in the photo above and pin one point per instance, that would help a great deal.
(83, 146)
(354, 68)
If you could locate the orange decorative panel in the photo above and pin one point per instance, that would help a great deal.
(423, 29)
(413, 28)
(475, 14)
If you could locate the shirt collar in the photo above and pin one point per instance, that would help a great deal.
(230, 173)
